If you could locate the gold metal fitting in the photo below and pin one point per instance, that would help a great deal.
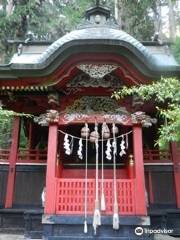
(131, 160)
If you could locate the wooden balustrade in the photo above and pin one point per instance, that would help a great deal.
(4, 155)
(25, 156)
(157, 156)
(33, 155)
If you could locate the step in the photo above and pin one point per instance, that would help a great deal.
(64, 232)
(88, 237)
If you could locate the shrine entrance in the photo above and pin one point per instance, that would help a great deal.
(93, 175)
(73, 172)
(92, 166)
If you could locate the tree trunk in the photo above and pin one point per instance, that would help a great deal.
(118, 9)
(9, 7)
(172, 21)
(157, 18)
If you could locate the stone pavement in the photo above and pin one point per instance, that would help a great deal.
(164, 237)
(12, 237)
(21, 237)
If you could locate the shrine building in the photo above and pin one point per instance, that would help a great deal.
(90, 169)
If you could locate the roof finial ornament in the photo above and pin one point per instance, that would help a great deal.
(97, 3)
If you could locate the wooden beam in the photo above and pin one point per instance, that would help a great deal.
(139, 171)
(50, 196)
(12, 163)
(176, 164)
(125, 120)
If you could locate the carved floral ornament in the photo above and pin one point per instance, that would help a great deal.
(141, 118)
(83, 80)
(97, 70)
(52, 116)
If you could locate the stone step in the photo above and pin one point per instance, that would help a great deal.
(73, 232)
(12, 230)
(89, 238)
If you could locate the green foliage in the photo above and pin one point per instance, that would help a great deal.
(48, 20)
(6, 119)
(176, 49)
(137, 19)
(75, 11)
(23, 140)
(5, 128)
(171, 130)
(5, 133)
(166, 93)
(6, 114)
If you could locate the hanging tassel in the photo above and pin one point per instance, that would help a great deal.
(97, 215)
(115, 206)
(114, 145)
(86, 192)
(116, 217)
(103, 204)
(85, 227)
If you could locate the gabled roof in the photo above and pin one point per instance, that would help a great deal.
(98, 34)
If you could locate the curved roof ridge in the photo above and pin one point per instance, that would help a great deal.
(100, 33)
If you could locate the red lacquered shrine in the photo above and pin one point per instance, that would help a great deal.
(90, 158)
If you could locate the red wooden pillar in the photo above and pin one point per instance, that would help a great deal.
(12, 162)
(50, 198)
(139, 171)
(176, 161)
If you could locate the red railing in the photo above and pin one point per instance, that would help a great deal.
(70, 196)
(4, 155)
(25, 156)
(156, 155)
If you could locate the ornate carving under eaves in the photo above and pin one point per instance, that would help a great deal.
(71, 90)
(74, 116)
(84, 80)
(97, 70)
(51, 116)
(53, 98)
(142, 118)
(91, 105)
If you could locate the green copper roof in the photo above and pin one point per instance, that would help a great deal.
(99, 33)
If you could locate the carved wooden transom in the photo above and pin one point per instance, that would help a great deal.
(97, 70)
(84, 80)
